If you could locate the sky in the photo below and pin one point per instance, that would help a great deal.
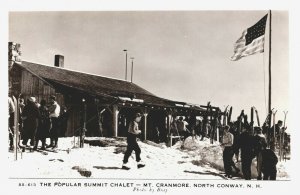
(178, 55)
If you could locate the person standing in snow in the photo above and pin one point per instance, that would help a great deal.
(235, 146)
(181, 126)
(227, 143)
(269, 161)
(260, 144)
(54, 110)
(132, 145)
(43, 126)
(198, 129)
(247, 152)
(278, 129)
(63, 121)
(191, 121)
(236, 134)
(173, 125)
(206, 128)
(30, 117)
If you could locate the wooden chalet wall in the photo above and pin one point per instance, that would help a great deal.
(157, 126)
(27, 84)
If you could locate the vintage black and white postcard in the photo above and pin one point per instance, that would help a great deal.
(143, 100)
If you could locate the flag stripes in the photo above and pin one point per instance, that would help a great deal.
(251, 41)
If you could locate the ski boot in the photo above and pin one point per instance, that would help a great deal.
(140, 164)
(125, 166)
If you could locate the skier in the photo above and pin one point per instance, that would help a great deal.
(181, 126)
(54, 110)
(269, 161)
(206, 128)
(227, 143)
(174, 129)
(198, 129)
(247, 152)
(30, 117)
(278, 129)
(43, 126)
(235, 146)
(133, 132)
(260, 144)
(63, 121)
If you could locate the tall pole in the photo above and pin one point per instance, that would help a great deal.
(125, 50)
(270, 70)
(132, 58)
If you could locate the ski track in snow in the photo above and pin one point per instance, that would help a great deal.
(102, 162)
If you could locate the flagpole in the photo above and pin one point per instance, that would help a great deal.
(270, 70)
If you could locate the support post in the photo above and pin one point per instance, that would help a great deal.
(145, 125)
(115, 120)
(270, 67)
(82, 134)
(169, 123)
(274, 129)
(169, 128)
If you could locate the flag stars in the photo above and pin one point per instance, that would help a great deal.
(256, 30)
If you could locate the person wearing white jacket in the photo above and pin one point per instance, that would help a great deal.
(54, 110)
(227, 143)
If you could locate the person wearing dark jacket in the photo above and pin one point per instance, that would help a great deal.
(182, 127)
(269, 162)
(63, 118)
(235, 146)
(278, 129)
(132, 145)
(30, 117)
(260, 144)
(43, 126)
(247, 153)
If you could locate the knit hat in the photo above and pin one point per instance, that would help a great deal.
(52, 97)
(257, 129)
(32, 99)
(138, 115)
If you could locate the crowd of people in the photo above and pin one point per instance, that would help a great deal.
(251, 147)
(37, 121)
(241, 140)
(191, 126)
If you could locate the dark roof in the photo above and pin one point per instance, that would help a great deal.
(92, 84)
(100, 86)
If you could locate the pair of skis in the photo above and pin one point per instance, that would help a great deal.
(16, 134)
(281, 132)
(282, 140)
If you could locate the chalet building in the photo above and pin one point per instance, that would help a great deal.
(101, 105)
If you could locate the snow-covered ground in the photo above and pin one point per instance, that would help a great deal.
(195, 160)
(211, 154)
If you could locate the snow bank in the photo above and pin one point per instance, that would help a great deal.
(212, 155)
(96, 161)
(193, 159)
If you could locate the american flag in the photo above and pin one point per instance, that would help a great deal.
(251, 41)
